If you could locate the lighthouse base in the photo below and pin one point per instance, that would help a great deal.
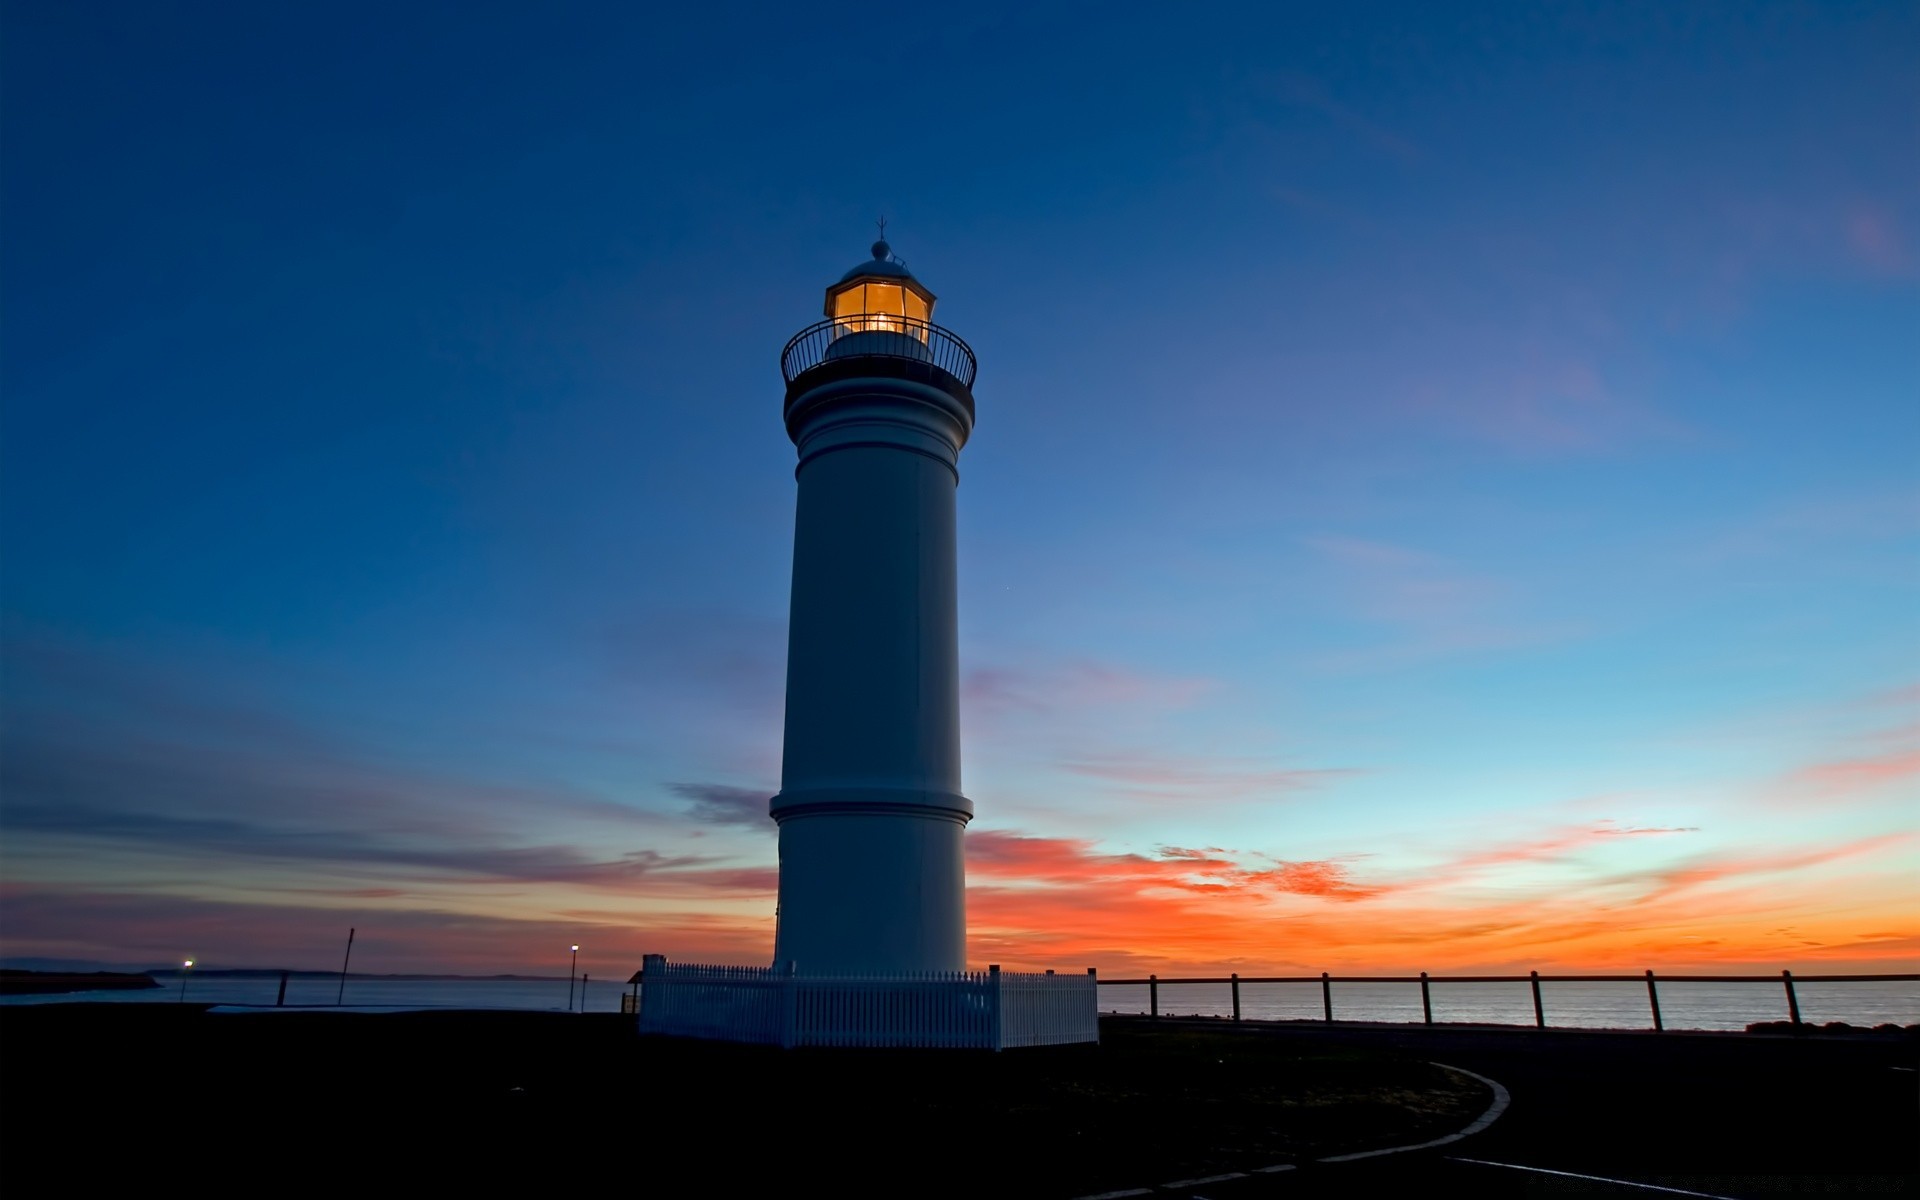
(982, 1010)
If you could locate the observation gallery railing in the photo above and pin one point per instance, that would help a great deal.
(991, 1009)
(1786, 979)
(876, 335)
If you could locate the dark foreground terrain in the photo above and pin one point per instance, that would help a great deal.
(1658, 1114)
(170, 1099)
(162, 1094)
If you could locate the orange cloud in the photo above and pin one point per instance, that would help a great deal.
(1047, 901)
(1858, 774)
(1329, 879)
(1037, 901)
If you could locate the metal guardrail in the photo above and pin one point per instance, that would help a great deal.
(879, 336)
(1326, 982)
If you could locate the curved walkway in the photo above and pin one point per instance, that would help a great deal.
(1493, 1110)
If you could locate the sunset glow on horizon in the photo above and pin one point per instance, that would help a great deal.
(1446, 493)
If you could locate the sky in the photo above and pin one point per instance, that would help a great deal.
(1446, 492)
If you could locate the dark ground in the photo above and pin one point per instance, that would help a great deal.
(1725, 1114)
(542, 1098)
(167, 1097)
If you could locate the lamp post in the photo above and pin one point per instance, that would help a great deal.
(570, 968)
(186, 969)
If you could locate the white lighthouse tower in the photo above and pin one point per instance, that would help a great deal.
(871, 946)
(879, 403)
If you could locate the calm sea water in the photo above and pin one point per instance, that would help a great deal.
(533, 994)
(1585, 1005)
(1590, 1005)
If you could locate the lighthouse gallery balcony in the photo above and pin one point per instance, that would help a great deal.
(899, 347)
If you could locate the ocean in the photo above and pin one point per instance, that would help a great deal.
(537, 995)
(1567, 1005)
(1584, 1005)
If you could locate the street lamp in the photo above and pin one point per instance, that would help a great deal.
(186, 968)
(570, 968)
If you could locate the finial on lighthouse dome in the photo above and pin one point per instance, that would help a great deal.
(881, 288)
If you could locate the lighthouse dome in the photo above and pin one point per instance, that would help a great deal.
(881, 266)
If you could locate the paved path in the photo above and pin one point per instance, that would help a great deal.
(1729, 1115)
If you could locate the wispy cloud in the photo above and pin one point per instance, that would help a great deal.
(726, 660)
(383, 854)
(1075, 686)
(722, 804)
(1876, 241)
(1173, 777)
(151, 928)
(1836, 233)
(118, 773)
(1656, 885)
(1314, 95)
(1438, 608)
(1795, 526)
(1551, 847)
(1907, 696)
(1550, 406)
(1847, 776)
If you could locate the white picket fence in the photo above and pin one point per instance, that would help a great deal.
(991, 1009)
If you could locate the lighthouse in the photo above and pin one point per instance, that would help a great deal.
(870, 945)
(879, 403)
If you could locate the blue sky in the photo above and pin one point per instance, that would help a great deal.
(1441, 471)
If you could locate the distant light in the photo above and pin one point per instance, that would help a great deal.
(576, 947)
(187, 963)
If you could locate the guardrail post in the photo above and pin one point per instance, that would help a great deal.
(1326, 995)
(1426, 999)
(1793, 1001)
(1153, 996)
(1539, 1012)
(1236, 995)
(1653, 1001)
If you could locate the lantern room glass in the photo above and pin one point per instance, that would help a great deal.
(875, 306)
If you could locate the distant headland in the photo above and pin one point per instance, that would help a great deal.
(48, 983)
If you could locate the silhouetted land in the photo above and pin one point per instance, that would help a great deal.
(409, 1101)
(570, 1101)
(49, 983)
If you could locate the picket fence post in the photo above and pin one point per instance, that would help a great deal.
(789, 1008)
(998, 1027)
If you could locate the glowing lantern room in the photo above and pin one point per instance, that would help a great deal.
(880, 296)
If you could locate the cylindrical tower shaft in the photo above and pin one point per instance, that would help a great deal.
(872, 876)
